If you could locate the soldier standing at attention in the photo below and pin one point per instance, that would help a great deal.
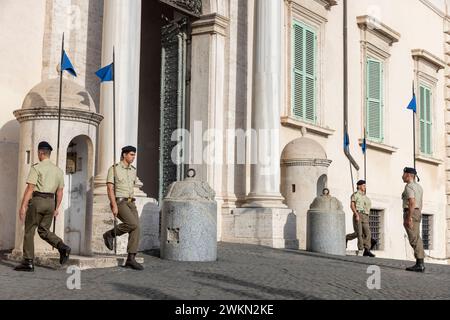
(38, 207)
(120, 185)
(361, 205)
(412, 216)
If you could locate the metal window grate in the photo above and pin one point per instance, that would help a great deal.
(375, 227)
(427, 231)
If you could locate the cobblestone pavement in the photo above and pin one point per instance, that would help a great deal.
(241, 272)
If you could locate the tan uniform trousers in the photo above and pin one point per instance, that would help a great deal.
(362, 232)
(128, 214)
(39, 215)
(414, 234)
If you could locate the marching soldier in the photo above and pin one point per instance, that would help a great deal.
(120, 185)
(361, 205)
(412, 216)
(38, 207)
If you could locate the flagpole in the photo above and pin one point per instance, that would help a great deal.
(114, 143)
(59, 119)
(365, 156)
(414, 130)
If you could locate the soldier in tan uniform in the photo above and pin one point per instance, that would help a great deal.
(120, 183)
(412, 216)
(361, 205)
(38, 207)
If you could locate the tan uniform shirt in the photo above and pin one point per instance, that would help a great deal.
(46, 177)
(413, 190)
(125, 180)
(363, 203)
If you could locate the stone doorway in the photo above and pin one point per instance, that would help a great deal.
(78, 196)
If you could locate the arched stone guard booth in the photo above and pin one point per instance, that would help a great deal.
(79, 121)
(304, 169)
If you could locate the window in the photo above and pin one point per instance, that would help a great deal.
(425, 120)
(427, 231)
(374, 100)
(375, 225)
(304, 72)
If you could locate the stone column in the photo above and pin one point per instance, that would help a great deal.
(264, 219)
(207, 101)
(121, 30)
(267, 89)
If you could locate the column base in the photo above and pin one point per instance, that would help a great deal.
(264, 201)
(272, 227)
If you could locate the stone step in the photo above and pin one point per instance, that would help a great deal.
(82, 262)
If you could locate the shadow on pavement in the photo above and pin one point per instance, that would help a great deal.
(293, 294)
(147, 293)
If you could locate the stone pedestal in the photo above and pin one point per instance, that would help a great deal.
(270, 227)
(326, 226)
(189, 222)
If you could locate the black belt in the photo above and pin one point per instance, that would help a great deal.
(43, 195)
(129, 200)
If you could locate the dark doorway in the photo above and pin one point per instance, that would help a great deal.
(164, 94)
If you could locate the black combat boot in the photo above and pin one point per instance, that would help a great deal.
(373, 244)
(64, 252)
(418, 267)
(108, 237)
(27, 265)
(367, 253)
(132, 263)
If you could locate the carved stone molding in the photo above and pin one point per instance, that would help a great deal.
(49, 113)
(306, 163)
(372, 24)
(211, 24)
(192, 7)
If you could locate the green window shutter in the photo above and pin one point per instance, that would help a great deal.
(425, 121)
(298, 74)
(304, 72)
(374, 100)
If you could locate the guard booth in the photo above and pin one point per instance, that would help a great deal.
(38, 120)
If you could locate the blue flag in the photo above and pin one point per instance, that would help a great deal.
(346, 141)
(364, 146)
(413, 104)
(67, 65)
(106, 73)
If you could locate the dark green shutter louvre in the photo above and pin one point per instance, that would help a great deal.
(298, 71)
(304, 73)
(374, 100)
(310, 78)
(425, 121)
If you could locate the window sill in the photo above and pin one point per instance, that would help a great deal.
(379, 146)
(309, 127)
(428, 160)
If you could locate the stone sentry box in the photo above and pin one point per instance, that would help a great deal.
(38, 120)
(189, 222)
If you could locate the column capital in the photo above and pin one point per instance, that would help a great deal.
(211, 24)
